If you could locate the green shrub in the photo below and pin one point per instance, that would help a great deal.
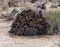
(53, 18)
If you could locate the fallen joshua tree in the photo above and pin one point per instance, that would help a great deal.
(29, 23)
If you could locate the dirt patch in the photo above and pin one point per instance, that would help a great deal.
(21, 41)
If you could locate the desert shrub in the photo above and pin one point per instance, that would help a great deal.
(33, 1)
(53, 18)
(29, 23)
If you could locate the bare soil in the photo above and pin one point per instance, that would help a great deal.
(7, 40)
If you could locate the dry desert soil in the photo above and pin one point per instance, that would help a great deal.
(7, 40)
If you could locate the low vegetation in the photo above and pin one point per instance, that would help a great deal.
(53, 18)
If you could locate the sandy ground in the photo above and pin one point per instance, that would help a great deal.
(30, 41)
